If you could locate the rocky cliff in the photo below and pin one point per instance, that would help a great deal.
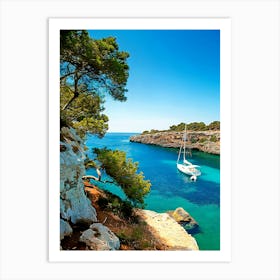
(205, 141)
(75, 207)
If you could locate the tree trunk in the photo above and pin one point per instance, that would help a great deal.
(76, 93)
(91, 177)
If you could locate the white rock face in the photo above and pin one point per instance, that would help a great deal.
(65, 229)
(74, 205)
(168, 230)
(99, 237)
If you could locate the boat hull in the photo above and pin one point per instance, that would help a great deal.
(188, 169)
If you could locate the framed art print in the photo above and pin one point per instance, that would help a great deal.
(139, 139)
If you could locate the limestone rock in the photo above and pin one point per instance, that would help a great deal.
(65, 229)
(74, 205)
(81, 210)
(168, 230)
(183, 218)
(99, 237)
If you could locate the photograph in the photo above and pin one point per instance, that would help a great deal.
(134, 123)
(140, 139)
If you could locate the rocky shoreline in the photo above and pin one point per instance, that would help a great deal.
(84, 226)
(205, 141)
(166, 228)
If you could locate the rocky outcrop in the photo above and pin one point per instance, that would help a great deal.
(98, 237)
(182, 217)
(168, 230)
(205, 141)
(65, 229)
(75, 207)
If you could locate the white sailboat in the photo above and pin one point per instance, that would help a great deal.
(187, 167)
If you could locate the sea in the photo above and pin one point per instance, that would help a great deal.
(170, 188)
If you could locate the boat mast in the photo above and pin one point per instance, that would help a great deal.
(185, 138)
(179, 153)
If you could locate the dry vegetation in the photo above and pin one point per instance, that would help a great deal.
(134, 233)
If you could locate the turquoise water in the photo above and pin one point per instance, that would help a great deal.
(171, 188)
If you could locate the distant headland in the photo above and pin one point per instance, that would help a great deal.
(205, 138)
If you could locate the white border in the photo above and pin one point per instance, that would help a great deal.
(224, 25)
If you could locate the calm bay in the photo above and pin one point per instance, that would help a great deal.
(171, 188)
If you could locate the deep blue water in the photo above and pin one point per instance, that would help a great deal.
(171, 188)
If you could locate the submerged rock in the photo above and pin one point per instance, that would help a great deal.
(99, 237)
(168, 230)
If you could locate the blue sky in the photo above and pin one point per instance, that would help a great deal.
(174, 77)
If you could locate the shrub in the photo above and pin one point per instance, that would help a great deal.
(134, 237)
(193, 140)
(126, 209)
(213, 138)
(214, 125)
(202, 140)
(196, 126)
(124, 172)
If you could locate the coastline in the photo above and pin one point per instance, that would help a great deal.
(205, 141)
(92, 219)
(148, 230)
(158, 164)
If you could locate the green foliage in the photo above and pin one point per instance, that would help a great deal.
(179, 127)
(136, 235)
(214, 125)
(115, 204)
(145, 132)
(93, 64)
(123, 171)
(151, 131)
(194, 140)
(213, 138)
(154, 131)
(84, 113)
(89, 69)
(202, 140)
(126, 209)
(196, 126)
